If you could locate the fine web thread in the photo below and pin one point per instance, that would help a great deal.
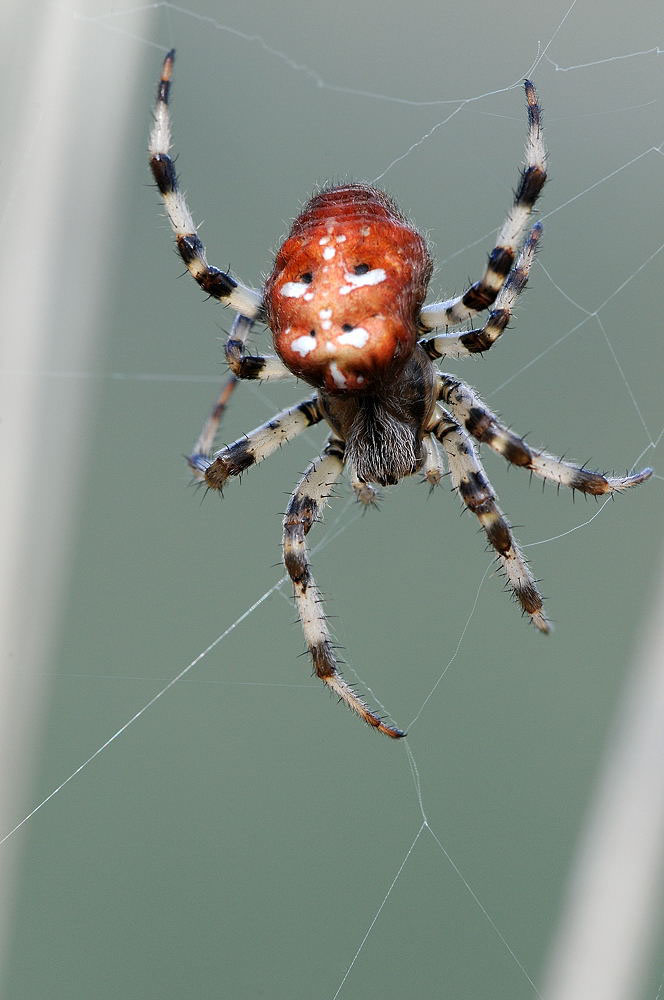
(331, 536)
(426, 825)
(110, 22)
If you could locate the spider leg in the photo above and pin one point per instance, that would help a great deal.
(365, 493)
(305, 507)
(462, 345)
(470, 480)
(259, 444)
(261, 368)
(483, 293)
(247, 366)
(433, 467)
(213, 281)
(205, 441)
(469, 409)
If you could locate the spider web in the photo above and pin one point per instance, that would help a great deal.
(447, 869)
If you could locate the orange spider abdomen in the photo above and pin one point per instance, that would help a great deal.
(347, 285)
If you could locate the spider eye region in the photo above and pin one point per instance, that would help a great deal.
(345, 291)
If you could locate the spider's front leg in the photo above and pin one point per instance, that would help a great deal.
(471, 482)
(216, 283)
(247, 302)
(305, 507)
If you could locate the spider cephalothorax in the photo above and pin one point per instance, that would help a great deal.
(344, 302)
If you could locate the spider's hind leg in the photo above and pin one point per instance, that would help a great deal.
(305, 507)
(470, 480)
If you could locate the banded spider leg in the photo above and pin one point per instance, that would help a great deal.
(483, 293)
(468, 415)
(246, 301)
(243, 367)
(257, 445)
(467, 407)
(462, 345)
(472, 484)
(304, 509)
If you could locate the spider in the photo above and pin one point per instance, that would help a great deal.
(345, 304)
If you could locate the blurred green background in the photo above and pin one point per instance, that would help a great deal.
(238, 839)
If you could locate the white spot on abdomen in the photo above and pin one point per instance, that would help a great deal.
(293, 289)
(357, 337)
(328, 253)
(338, 377)
(304, 345)
(325, 317)
(373, 277)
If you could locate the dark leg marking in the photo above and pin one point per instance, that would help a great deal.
(470, 480)
(216, 283)
(259, 443)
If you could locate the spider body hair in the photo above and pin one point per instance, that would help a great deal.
(384, 427)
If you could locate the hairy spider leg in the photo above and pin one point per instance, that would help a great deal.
(258, 444)
(471, 482)
(243, 367)
(204, 443)
(250, 367)
(433, 466)
(246, 301)
(213, 281)
(365, 493)
(305, 507)
(462, 345)
(467, 407)
(483, 293)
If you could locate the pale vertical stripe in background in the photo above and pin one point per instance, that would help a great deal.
(611, 914)
(61, 164)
